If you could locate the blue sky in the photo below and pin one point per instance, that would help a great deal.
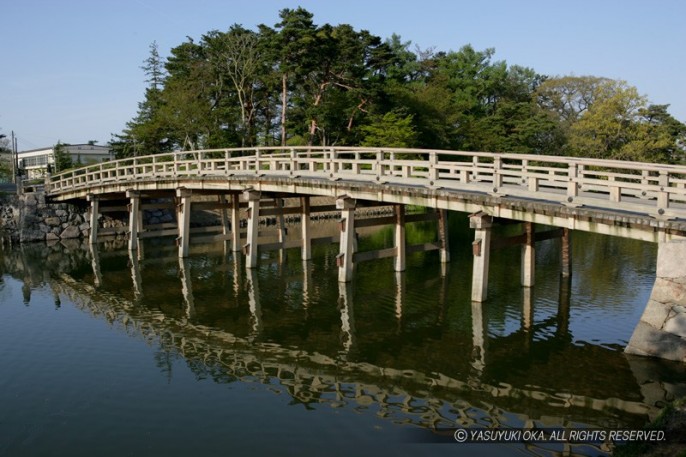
(71, 68)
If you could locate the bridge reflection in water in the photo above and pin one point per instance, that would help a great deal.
(387, 349)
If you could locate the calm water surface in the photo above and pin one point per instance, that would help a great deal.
(102, 353)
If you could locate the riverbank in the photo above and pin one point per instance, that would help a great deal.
(672, 421)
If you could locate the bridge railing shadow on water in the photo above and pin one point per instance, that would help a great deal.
(378, 348)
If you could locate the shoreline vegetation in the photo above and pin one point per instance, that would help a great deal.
(301, 83)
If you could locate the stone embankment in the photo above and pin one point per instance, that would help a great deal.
(661, 332)
(28, 217)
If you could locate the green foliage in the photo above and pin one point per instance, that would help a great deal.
(300, 83)
(392, 130)
(62, 158)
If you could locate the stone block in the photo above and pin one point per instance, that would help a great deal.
(53, 221)
(668, 291)
(647, 340)
(656, 313)
(51, 237)
(70, 232)
(670, 259)
(676, 325)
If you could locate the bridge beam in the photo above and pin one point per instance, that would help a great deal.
(482, 252)
(94, 215)
(347, 240)
(183, 217)
(250, 248)
(135, 217)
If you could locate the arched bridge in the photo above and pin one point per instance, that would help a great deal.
(628, 199)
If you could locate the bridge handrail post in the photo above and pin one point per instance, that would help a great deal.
(257, 160)
(292, 162)
(663, 195)
(333, 162)
(379, 165)
(433, 167)
(572, 176)
(497, 173)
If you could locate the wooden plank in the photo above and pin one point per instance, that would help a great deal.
(421, 217)
(325, 240)
(499, 243)
(374, 221)
(424, 247)
(373, 255)
(158, 233)
(276, 211)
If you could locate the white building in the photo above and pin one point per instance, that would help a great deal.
(35, 162)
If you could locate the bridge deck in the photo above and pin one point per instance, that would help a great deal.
(621, 198)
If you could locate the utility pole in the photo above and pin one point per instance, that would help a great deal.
(15, 163)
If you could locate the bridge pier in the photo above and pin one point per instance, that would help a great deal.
(250, 248)
(481, 249)
(94, 215)
(528, 270)
(399, 264)
(183, 216)
(135, 217)
(443, 240)
(306, 237)
(566, 253)
(235, 223)
(347, 241)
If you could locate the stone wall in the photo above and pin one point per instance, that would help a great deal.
(40, 221)
(661, 332)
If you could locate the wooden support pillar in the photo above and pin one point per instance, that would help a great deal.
(305, 228)
(399, 264)
(253, 198)
(183, 218)
(235, 223)
(135, 217)
(443, 241)
(224, 214)
(482, 252)
(278, 202)
(95, 209)
(566, 253)
(347, 242)
(528, 256)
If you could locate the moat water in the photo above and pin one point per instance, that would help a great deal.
(105, 353)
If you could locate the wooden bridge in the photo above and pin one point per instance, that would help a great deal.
(627, 199)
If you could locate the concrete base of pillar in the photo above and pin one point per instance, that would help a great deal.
(661, 332)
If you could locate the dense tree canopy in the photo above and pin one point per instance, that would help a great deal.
(299, 83)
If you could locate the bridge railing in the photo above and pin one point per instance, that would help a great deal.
(654, 189)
